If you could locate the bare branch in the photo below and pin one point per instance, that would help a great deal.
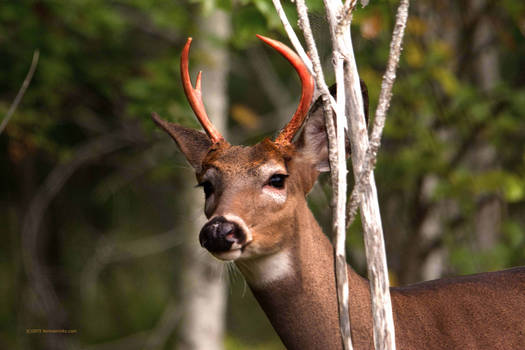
(291, 35)
(298, 47)
(383, 104)
(365, 193)
(21, 92)
(336, 147)
(339, 17)
(304, 24)
(338, 34)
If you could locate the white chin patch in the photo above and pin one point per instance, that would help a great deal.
(229, 255)
(267, 269)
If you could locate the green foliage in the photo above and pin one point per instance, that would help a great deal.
(440, 117)
(106, 65)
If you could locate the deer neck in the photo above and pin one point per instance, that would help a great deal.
(296, 289)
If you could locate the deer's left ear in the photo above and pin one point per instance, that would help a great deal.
(313, 141)
(192, 143)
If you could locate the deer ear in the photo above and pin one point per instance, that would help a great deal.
(313, 141)
(312, 144)
(192, 143)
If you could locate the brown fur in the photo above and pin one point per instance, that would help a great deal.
(484, 311)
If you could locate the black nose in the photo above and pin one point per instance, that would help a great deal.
(219, 234)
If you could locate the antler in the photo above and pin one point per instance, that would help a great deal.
(194, 96)
(287, 133)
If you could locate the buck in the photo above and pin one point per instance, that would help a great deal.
(259, 218)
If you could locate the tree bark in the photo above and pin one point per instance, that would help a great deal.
(204, 286)
(484, 157)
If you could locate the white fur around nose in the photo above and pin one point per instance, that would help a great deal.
(267, 269)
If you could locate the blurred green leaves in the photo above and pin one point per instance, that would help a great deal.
(106, 65)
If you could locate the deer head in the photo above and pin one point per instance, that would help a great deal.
(253, 194)
(258, 217)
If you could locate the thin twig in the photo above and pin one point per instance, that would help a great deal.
(338, 34)
(304, 24)
(364, 156)
(383, 104)
(336, 152)
(21, 92)
(339, 226)
(326, 98)
(299, 48)
(292, 36)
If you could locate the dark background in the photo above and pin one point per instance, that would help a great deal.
(92, 197)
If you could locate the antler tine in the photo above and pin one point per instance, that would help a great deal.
(194, 96)
(287, 133)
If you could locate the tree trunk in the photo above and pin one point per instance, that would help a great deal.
(484, 157)
(204, 288)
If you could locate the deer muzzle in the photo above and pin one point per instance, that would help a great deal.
(221, 235)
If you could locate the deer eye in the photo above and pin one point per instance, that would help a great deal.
(277, 180)
(208, 188)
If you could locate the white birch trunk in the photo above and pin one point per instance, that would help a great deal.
(204, 289)
(350, 102)
(489, 211)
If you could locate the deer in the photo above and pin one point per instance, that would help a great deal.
(258, 217)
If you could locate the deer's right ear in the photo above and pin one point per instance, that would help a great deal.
(192, 143)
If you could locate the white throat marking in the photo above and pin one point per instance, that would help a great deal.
(267, 269)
